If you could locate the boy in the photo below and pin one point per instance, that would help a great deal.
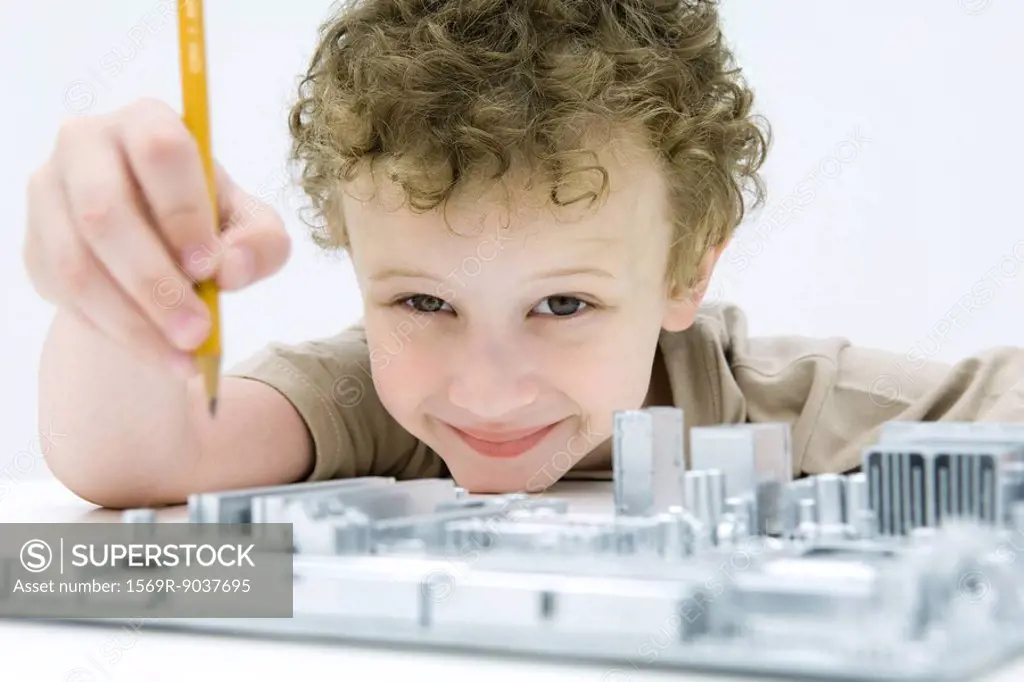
(534, 195)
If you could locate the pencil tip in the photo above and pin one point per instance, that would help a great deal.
(213, 407)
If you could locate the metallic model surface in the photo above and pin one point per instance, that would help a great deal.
(905, 570)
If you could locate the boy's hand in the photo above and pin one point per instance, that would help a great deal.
(120, 228)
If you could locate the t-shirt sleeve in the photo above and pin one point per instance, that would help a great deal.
(328, 381)
(836, 395)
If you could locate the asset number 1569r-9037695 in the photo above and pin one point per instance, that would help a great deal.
(204, 585)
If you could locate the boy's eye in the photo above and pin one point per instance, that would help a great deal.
(557, 306)
(560, 306)
(425, 304)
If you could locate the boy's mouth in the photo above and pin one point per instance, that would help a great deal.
(504, 443)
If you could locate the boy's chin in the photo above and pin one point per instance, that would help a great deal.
(487, 476)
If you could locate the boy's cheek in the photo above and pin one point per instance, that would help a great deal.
(392, 333)
(403, 387)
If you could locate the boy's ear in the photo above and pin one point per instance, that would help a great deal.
(683, 303)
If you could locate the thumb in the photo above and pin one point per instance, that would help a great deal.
(252, 254)
(254, 241)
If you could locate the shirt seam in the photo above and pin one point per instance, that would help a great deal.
(799, 358)
(716, 396)
(821, 405)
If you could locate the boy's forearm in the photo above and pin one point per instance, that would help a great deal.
(130, 440)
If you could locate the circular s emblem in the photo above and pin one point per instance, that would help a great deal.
(36, 556)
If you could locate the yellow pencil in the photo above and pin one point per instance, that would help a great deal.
(192, 52)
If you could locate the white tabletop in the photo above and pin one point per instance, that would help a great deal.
(31, 652)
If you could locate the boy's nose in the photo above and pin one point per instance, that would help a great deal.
(491, 380)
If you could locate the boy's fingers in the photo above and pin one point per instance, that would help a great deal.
(252, 253)
(254, 242)
(109, 225)
(238, 209)
(72, 278)
(167, 166)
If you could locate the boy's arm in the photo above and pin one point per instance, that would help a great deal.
(133, 436)
(837, 395)
(137, 435)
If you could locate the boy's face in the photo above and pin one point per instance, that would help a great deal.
(507, 341)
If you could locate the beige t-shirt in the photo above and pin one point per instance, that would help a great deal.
(833, 394)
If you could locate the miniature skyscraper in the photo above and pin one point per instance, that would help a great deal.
(633, 462)
(648, 460)
(669, 468)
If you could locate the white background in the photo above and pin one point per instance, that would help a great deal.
(894, 177)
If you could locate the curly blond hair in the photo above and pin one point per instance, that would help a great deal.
(444, 91)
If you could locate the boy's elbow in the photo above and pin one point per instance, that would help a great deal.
(91, 482)
(115, 497)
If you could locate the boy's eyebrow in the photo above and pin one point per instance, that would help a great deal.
(568, 272)
(390, 273)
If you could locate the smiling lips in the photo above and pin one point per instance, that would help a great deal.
(504, 444)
